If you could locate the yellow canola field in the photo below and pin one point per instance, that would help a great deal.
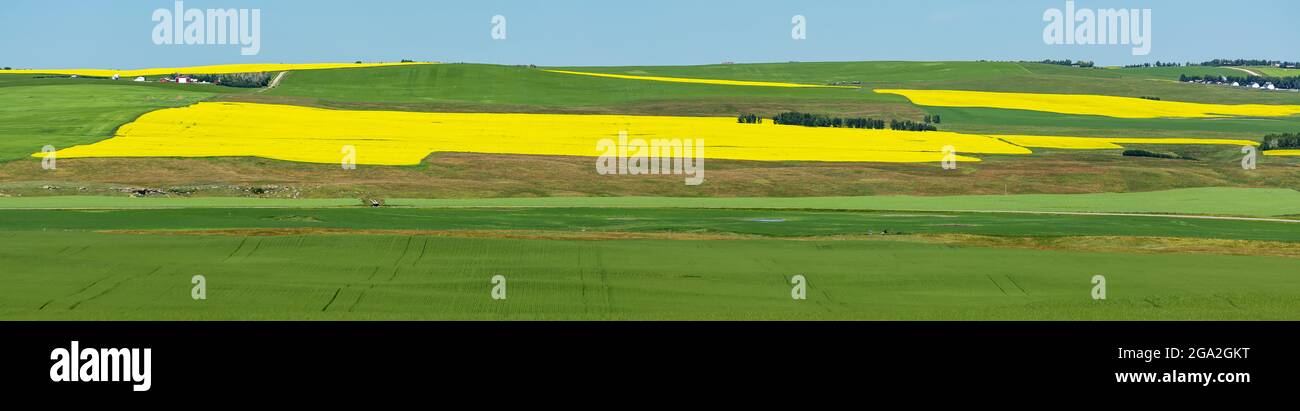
(1087, 143)
(217, 69)
(1085, 104)
(698, 81)
(316, 135)
(1282, 153)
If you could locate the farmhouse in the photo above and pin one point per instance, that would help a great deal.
(178, 79)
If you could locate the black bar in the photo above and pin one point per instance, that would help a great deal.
(283, 358)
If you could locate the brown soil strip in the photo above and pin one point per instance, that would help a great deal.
(1107, 244)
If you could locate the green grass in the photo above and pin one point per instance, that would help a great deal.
(777, 223)
(1272, 71)
(32, 116)
(1255, 202)
(62, 265)
(1213, 201)
(1173, 73)
(475, 85)
(73, 274)
(979, 76)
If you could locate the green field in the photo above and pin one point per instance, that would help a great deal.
(1198, 201)
(394, 265)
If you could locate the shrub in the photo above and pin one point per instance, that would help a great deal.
(1152, 154)
(1282, 141)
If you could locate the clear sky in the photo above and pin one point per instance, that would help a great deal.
(117, 34)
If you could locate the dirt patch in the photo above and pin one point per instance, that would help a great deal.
(1106, 244)
(514, 234)
(1126, 245)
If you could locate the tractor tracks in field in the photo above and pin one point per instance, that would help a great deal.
(332, 298)
(102, 293)
(236, 251)
(112, 287)
(360, 295)
(1007, 290)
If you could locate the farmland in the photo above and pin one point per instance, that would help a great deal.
(487, 170)
(600, 263)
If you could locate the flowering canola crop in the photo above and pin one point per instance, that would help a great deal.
(217, 69)
(317, 135)
(1282, 153)
(697, 81)
(1110, 106)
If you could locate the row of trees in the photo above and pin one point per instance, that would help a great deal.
(1156, 64)
(909, 125)
(247, 80)
(1068, 62)
(1245, 62)
(1279, 82)
(933, 118)
(1284, 141)
(822, 120)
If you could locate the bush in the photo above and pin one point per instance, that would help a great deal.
(1152, 154)
(749, 119)
(1284, 141)
(909, 125)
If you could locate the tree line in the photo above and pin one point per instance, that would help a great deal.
(1284, 141)
(246, 80)
(1068, 62)
(1156, 64)
(909, 125)
(821, 120)
(1245, 62)
(1279, 82)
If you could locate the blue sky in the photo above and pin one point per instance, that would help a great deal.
(117, 34)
